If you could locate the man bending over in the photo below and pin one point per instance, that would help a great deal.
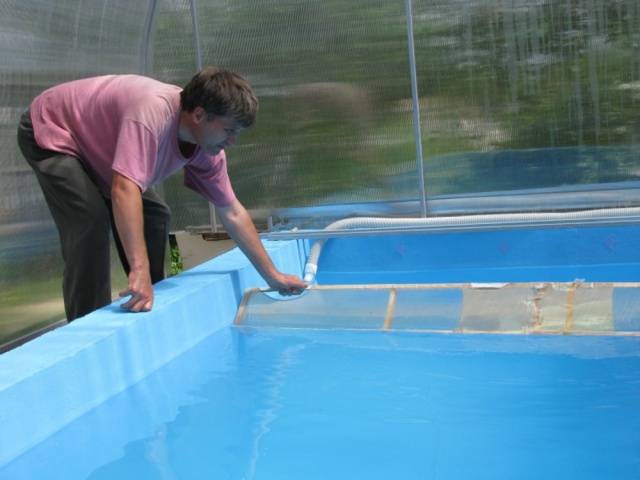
(98, 145)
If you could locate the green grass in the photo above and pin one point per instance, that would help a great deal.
(28, 307)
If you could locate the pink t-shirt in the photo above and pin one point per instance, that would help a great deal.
(127, 124)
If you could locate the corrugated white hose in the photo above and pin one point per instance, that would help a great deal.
(488, 220)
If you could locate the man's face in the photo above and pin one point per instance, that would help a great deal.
(217, 133)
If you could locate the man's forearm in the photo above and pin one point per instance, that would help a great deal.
(127, 212)
(240, 227)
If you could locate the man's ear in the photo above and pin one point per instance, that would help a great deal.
(199, 115)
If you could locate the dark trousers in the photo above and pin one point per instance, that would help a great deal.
(84, 218)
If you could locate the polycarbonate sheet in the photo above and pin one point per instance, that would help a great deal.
(525, 308)
(355, 308)
(333, 82)
(526, 94)
(410, 312)
(45, 43)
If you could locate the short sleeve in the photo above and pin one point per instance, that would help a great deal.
(136, 153)
(208, 176)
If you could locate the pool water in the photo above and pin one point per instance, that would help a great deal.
(251, 403)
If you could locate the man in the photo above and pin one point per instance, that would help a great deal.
(97, 145)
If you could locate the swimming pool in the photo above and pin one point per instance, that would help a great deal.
(179, 393)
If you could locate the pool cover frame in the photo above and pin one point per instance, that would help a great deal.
(531, 307)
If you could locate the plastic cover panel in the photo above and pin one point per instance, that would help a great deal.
(526, 94)
(514, 96)
(45, 43)
(546, 308)
(333, 80)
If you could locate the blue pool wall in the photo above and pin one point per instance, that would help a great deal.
(54, 379)
(49, 382)
(592, 254)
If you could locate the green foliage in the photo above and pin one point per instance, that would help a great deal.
(175, 266)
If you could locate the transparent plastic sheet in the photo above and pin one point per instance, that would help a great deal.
(522, 95)
(43, 44)
(524, 308)
(516, 99)
(335, 99)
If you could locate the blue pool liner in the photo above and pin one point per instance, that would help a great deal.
(55, 379)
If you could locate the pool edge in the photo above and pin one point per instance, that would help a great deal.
(61, 375)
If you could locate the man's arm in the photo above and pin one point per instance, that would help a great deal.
(240, 227)
(126, 200)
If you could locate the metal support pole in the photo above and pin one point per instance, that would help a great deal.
(146, 47)
(416, 108)
(213, 221)
(196, 34)
(146, 55)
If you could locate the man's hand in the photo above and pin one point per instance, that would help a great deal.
(140, 290)
(240, 227)
(287, 284)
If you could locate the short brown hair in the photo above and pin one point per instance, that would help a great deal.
(221, 92)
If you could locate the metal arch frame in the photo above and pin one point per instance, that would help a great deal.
(198, 49)
(417, 130)
(196, 33)
(146, 50)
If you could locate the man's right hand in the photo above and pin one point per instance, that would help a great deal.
(140, 290)
(287, 284)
